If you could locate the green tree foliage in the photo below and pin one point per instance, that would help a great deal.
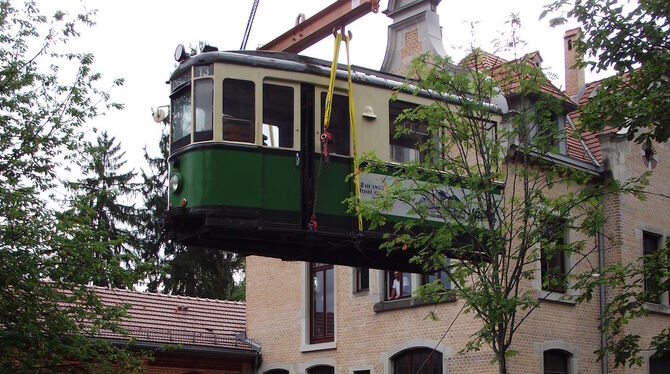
(633, 40)
(181, 270)
(104, 194)
(47, 313)
(489, 192)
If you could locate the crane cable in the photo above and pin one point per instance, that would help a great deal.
(326, 136)
(250, 22)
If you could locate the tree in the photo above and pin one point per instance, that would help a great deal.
(47, 313)
(181, 270)
(104, 193)
(487, 192)
(632, 40)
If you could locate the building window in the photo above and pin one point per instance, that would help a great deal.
(276, 371)
(405, 146)
(420, 360)
(362, 279)
(553, 257)
(659, 364)
(278, 116)
(650, 245)
(323, 369)
(322, 290)
(361, 371)
(339, 123)
(440, 276)
(238, 110)
(398, 285)
(556, 361)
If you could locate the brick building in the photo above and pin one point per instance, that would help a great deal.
(185, 334)
(360, 330)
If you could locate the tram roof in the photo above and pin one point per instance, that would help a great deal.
(310, 65)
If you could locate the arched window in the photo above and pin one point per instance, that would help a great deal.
(322, 369)
(276, 371)
(556, 361)
(410, 361)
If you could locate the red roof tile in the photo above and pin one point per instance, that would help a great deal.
(160, 318)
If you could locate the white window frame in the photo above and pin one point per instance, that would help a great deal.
(304, 314)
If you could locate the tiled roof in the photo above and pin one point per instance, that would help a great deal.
(180, 320)
(590, 138)
(497, 67)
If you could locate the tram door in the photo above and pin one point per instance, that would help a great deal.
(324, 185)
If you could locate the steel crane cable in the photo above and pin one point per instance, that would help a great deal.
(250, 22)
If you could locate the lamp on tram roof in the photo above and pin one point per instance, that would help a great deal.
(180, 53)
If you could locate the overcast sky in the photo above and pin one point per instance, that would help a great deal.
(135, 40)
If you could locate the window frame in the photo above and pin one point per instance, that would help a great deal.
(562, 257)
(400, 106)
(657, 240)
(328, 336)
(183, 87)
(205, 135)
(358, 274)
(565, 356)
(295, 128)
(414, 353)
(389, 284)
(319, 121)
(225, 118)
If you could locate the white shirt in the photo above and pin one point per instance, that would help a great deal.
(396, 287)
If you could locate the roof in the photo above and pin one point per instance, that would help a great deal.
(590, 138)
(497, 67)
(180, 320)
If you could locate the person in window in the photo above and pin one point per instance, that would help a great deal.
(238, 132)
(395, 289)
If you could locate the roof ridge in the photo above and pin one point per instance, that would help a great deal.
(162, 295)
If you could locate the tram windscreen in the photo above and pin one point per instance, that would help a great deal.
(238, 110)
(277, 116)
(181, 118)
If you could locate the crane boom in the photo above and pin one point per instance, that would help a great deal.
(320, 25)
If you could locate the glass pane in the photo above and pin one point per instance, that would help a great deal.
(278, 116)
(238, 110)
(406, 284)
(401, 365)
(405, 147)
(339, 123)
(321, 370)
(555, 362)
(363, 275)
(203, 98)
(317, 305)
(330, 302)
(181, 118)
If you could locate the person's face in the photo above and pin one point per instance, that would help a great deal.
(396, 275)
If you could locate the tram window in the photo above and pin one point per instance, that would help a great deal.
(203, 102)
(181, 118)
(339, 123)
(238, 110)
(277, 116)
(406, 146)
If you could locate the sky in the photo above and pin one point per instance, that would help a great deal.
(135, 40)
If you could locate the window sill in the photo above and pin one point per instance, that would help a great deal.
(556, 297)
(318, 347)
(389, 305)
(360, 293)
(658, 308)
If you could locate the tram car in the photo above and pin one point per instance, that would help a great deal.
(245, 165)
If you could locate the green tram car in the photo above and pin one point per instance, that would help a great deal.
(245, 156)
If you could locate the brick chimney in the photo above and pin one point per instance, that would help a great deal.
(415, 30)
(574, 78)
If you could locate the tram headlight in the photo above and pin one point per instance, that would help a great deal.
(175, 182)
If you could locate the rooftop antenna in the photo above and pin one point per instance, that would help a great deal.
(250, 22)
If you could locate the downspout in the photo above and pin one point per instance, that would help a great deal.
(601, 270)
(256, 364)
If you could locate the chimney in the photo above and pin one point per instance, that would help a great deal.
(415, 30)
(574, 77)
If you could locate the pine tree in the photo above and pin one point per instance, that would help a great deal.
(104, 193)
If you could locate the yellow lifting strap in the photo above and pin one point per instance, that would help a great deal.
(352, 122)
(352, 116)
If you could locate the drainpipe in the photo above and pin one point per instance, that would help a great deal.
(256, 364)
(601, 269)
